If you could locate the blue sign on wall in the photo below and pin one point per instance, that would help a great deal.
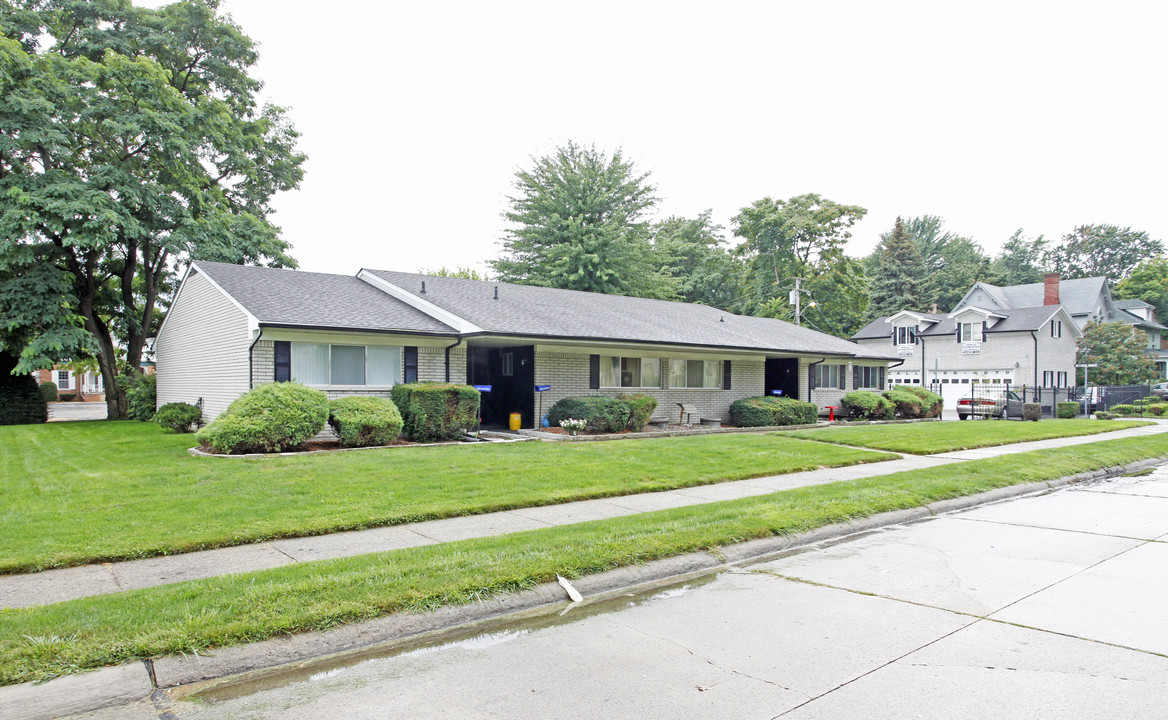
(483, 388)
(542, 388)
(776, 392)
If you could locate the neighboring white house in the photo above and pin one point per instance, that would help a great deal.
(233, 327)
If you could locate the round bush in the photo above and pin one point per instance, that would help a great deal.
(931, 402)
(1158, 408)
(180, 417)
(271, 418)
(907, 405)
(867, 405)
(640, 409)
(141, 393)
(20, 398)
(365, 421)
(1031, 411)
(433, 412)
(49, 391)
(1067, 410)
(768, 411)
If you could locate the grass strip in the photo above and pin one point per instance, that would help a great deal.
(190, 617)
(77, 493)
(938, 437)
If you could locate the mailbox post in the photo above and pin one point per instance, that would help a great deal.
(541, 389)
(479, 409)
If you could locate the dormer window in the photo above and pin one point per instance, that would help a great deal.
(906, 336)
(970, 332)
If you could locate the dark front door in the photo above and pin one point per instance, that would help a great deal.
(510, 371)
(782, 374)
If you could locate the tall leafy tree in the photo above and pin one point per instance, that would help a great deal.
(1107, 250)
(963, 263)
(693, 253)
(1148, 281)
(579, 223)
(1021, 261)
(1119, 351)
(131, 141)
(901, 282)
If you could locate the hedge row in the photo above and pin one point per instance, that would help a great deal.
(433, 412)
(764, 411)
(605, 414)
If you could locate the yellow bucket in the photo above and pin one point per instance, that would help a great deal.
(516, 421)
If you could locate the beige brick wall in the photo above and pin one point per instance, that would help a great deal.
(567, 373)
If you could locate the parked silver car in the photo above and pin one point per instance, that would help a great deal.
(1160, 390)
(995, 405)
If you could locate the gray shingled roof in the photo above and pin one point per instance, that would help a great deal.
(1079, 296)
(539, 312)
(293, 297)
(1025, 319)
(297, 298)
(1132, 319)
(1132, 303)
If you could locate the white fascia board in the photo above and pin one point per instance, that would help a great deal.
(972, 309)
(462, 325)
(910, 314)
(1070, 321)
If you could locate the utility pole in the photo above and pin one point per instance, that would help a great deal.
(796, 298)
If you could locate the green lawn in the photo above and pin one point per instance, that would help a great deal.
(193, 616)
(75, 493)
(939, 437)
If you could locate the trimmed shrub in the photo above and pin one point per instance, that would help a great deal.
(67, 396)
(271, 418)
(49, 391)
(1031, 411)
(365, 421)
(1066, 410)
(905, 404)
(867, 405)
(1158, 409)
(931, 402)
(21, 402)
(1104, 416)
(640, 409)
(433, 412)
(766, 411)
(604, 414)
(140, 395)
(1123, 409)
(179, 416)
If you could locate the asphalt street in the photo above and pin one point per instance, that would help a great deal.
(1042, 607)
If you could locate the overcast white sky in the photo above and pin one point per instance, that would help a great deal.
(416, 115)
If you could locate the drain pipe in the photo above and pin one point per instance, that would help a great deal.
(250, 361)
(1034, 335)
(448, 349)
(810, 375)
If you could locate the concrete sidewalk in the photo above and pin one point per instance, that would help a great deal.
(71, 583)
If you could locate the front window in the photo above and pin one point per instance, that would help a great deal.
(63, 379)
(695, 373)
(324, 364)
(630, 372)
(826, 376)
(865, 376)
(906, 336)
(970, 332)
(1048, 378)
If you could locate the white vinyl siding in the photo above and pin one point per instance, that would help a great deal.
(202, 350)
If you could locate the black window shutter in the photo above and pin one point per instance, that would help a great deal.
(855, 377)
(984, 337)
(959, 333)
(594, 372)
(410, 371)
(725, 374)
(283, 361)
(880, 381)
(894, 331)
(843, 377)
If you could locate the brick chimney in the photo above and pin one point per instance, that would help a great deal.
(1050, 294)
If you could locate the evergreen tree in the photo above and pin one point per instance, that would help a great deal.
(900, 282)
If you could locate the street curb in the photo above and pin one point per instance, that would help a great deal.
(135, 681)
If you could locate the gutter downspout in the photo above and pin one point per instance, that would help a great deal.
(809, 375)
(448, 349)
(250, 362)
(1035, 336)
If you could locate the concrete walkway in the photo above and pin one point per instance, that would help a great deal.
(88, 580)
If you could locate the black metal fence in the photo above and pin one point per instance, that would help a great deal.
(992, 400)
